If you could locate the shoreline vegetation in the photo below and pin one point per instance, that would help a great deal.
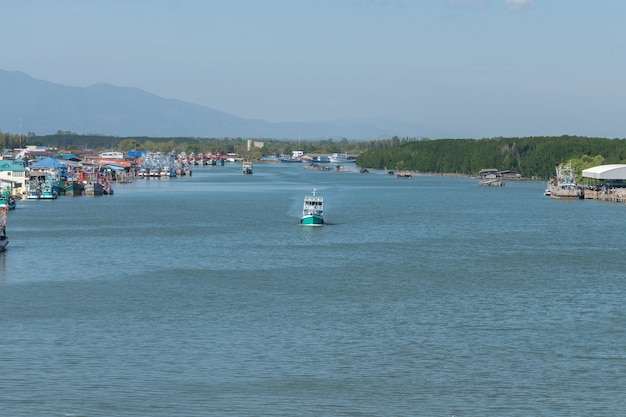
(535, 158)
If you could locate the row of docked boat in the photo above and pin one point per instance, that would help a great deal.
(46, 188)
(336, 158)
(158, 165)
(68, 183)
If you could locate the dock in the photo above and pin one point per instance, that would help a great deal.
(614, 195)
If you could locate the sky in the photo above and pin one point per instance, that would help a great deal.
(471, 68)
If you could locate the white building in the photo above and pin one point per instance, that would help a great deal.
(606, 172)
(13, 175)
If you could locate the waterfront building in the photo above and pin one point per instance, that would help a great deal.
(14, 175)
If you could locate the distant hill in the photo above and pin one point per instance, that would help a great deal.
(46, 108)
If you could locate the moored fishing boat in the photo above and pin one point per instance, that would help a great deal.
(93, 188)
(41, 190)
(313, 210)
(74, 188)
(290, 159)
(34, 190)
(296, 156)
(564, 185)
(338, 158)
(48, 191)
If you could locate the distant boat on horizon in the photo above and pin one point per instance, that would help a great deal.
(338, 158)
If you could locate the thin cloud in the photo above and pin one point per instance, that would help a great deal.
(518, 4)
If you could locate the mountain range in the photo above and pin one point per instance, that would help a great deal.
(43, 107)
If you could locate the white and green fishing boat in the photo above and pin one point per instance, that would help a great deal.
(313, 210)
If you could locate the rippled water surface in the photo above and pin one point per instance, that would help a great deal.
(203, 296)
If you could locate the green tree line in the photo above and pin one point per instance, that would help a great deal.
(531, 156)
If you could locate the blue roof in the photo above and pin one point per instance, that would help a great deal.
(114, 167)
(10, 166)
(49, 163)
(65, 156)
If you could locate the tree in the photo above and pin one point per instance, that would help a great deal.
(128, 145)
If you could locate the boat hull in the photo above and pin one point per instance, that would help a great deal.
(312, 220)
(94, 188)
(568, 196)
(46, 195)
(569, 192)
(74, 189)
(7, 205)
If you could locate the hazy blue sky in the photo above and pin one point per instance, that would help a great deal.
(478, 68)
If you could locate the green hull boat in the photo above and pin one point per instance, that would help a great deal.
(313, 210)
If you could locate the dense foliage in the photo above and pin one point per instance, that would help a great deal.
(531, 156)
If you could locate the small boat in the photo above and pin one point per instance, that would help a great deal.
(313, 210)
(291, 159)
(338, 158)
(320, 159)
(7, 201)
(490, 177)
(246, 168)
(491, 182)
(317, 167)
(4, 241)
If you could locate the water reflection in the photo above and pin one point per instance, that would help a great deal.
(3, 267)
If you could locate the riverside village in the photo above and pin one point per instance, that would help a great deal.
(41, 173)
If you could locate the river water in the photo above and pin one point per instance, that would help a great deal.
(202, 296)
